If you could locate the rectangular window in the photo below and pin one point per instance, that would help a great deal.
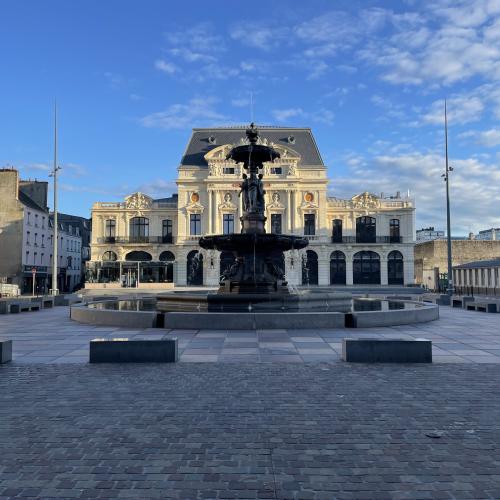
(337, 231)
(309, 224)
(166, 231)
(43, 240)
(228, 170)
(110, 231)
(228, 223)
(36, 238)
(276, 170)
(195, 224)
(276, 223)
(394, 231)
(28, 238)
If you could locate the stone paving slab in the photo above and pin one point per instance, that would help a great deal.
(251, 430)
(50, 336)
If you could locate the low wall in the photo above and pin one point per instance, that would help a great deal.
(252, 321)
(367, 319)
(142, 286)
(109, 317)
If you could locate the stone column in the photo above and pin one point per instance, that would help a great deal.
(348, 269)
(209, 212)
(323, 268)
(289, 211)
(383, 270)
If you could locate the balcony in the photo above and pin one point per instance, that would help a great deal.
(368, 241)
(136, 240)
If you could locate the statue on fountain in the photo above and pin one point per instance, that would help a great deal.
(258, 265)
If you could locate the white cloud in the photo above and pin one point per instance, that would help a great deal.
(475, 186)
(489, 138)
(322, 115)
(452, 42)
(197, 112)
(259, 36)
(157, 188)
(166, 67)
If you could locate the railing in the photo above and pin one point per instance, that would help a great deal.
(376, 239)
(136, 240)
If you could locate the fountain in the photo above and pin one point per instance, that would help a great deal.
(256, 279)
(256, 268)
(253, 292)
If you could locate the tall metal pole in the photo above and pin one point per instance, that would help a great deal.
(55, 236)
(449, 169)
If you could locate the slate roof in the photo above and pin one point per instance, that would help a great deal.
(199, 144)
(172, 199)
(27, 201)
(479, 263)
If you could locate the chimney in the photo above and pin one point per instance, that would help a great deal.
(472, 236)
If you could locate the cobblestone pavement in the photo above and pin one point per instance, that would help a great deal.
(49, 336)
(250, 430)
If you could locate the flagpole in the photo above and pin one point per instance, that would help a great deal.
(450, 289)
(55, 228)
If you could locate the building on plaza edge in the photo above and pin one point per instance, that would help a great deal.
(148, 242)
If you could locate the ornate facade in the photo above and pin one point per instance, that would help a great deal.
(143, 242)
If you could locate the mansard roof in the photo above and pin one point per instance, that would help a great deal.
(204, 140)
(479, 264)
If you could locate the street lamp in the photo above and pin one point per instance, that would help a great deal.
(55, 237)
(446, 177)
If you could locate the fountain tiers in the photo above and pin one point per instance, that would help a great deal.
(256, 279)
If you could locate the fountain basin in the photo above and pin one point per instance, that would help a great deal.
(189, 310)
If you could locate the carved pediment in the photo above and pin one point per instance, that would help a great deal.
(138, 201)
(365, 200)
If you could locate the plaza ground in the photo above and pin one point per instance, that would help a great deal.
(49, 336)
(246, 424)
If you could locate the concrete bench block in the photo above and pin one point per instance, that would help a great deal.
(133, 351)
(5, 351)
(377, 350)
(15, 308)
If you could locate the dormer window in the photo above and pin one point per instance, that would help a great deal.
(228, 170)
(291, 139)
(212, 140)
(276, 170)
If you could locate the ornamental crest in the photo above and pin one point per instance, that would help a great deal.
(365, 200)
(276, 203)
(138, 201)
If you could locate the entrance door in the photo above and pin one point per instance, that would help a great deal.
(395, 268)
(366, 268)
(194, 268)
(310, 268)
(337, 268)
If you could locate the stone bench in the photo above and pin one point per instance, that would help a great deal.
(490, 307)
(380, 350)
(5, 351)
(462, 301)
(122, 350)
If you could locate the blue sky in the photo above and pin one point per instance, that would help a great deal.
(369, 77)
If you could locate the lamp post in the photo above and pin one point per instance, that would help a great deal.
(55, 237)
(446, 176)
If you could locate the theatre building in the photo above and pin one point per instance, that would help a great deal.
(153, 243)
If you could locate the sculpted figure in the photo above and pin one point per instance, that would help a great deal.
(260, 195)
(253, 193)
(244, 189)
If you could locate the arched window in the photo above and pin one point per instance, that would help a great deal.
(166, 274)
(366, 268)
(366, 229)
(194, 268)
(139, 230)
(395, 268)
(310, 268)
(394, 236)
(109, 256)
(337, 231)
(337, 268)
(138, 256)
